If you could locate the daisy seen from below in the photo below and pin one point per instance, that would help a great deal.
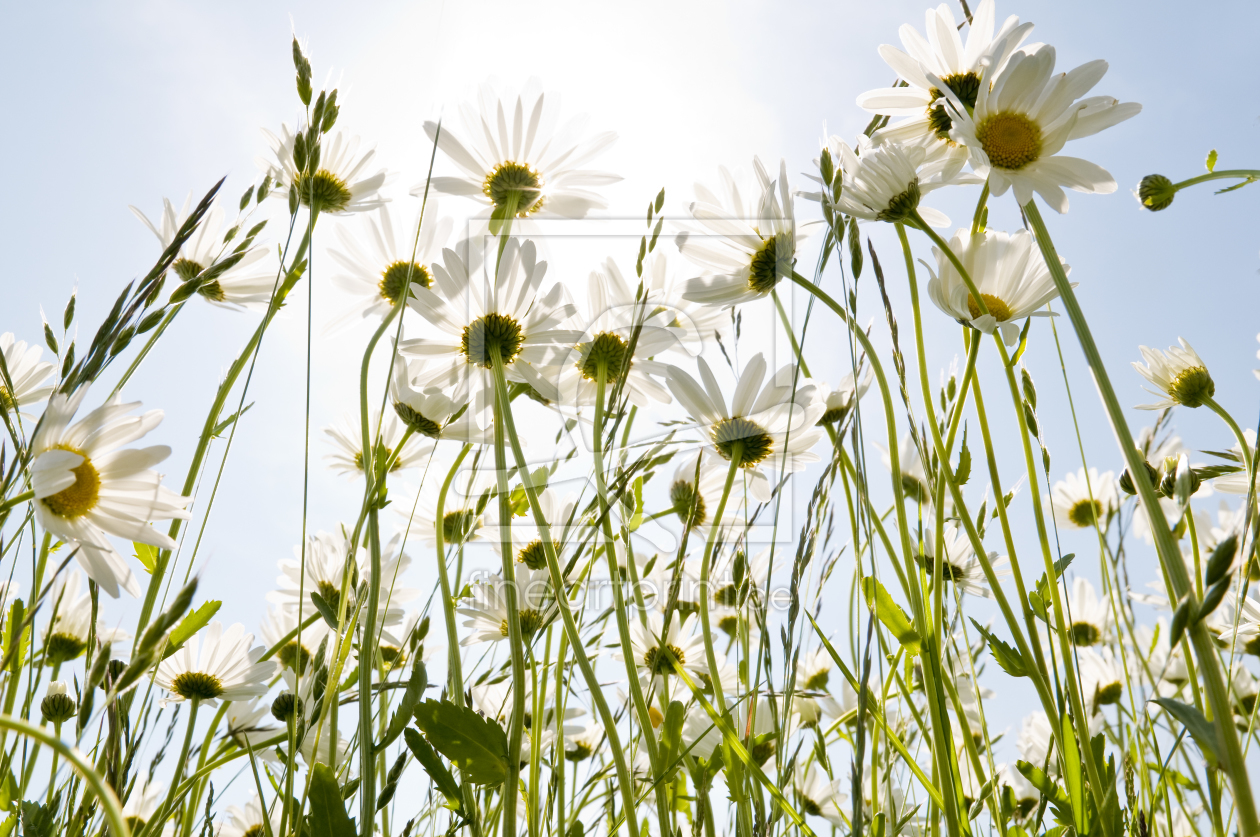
(960, 566)
(1081, 500)
(25, 380)
(881, 182)
(1023, 116)
(745, 236)
(581, 745)
(437, 406)
(1090, 615)
(248, 821)
(88, 487)
(696, 510)
(839, 401)
(516, 158)
(486, 607)
(696, 325)
(1102, 677)
(657, 660)
(1007, 270)
(1180, 374)
(564, 521)
(770, 427)
(298, 652)
(392, 449)
(473, 319)
(66, 636)
(215, 664)
(142, 804)
(249, 724)
(1236, 483)
(239, 278)
(943, 55)
(812, 701)
(1243, 630)
(342, 181)
(328, 565)
(380, 264)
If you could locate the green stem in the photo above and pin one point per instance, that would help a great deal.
(17, 500)
(1224, 174)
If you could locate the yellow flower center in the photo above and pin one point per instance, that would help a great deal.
(458, 525)
(658, 662)
(771, 262)
(509, 180)
(80, 498)
(533, 555)
(531, 620)
(607, 349)
(400, 275)
(7, 401)
(1085, 512)
(999, 309)
(487, 333)
(197, 685)
(757, 444)
(1192, 386)
(1011, 139)
(323, 191)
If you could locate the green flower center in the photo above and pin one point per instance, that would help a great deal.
(1192, 387)
(729, 624)
(1252, 646)
(457, 525)
(531, 621)
(581, 751)
(514, 179)
(534, 555)
(949, 571)
(401, 274)
(7, 401)
(833, 415)
(60, 648)
(817, 682)
(254, 831)
(686, 500)
(390, 656)
(186, 269)
(380, 456)
(80, 498)
(1010, 139)
(608, 350)
(295, 656)
(484, 335)
(136, 824)
(727, 596)
(330, 593)
(197, 685)
(966, 86)
(809, 806)
(1083, 634)
(771, 262)
(1085, 512)
(763, 751)
(902, 206)
(212, 291)
(999, 309)
(1108, 694)
(323, 191)
(757, 444)
(416, 421)
(657, 661)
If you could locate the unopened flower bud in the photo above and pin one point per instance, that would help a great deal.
(1126, 479)
(57, 706)
(1156, 192)
(284, 707)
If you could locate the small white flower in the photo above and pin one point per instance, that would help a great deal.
(340, 183)
(704, 738)
(961, 566)
(885, 181)
(1236, 483)
(87, 489)
(812, 701)
(821, 796)
(1102, 677)
(142, 803)
(298, 650)
(1080, 501)
(226, 668)
(1180, 374)
(248, 821)
(462, 513)
(487, 607)
(250, 723)
(438, 407)
(327, 565)
(27, 374)
(583, 744)
(682, 490)
(1167, 667)
(1090, 615)
(67, 635)
(564, 522)
(839, 401)
(348, 438)
(657, 660)
(1246, 636)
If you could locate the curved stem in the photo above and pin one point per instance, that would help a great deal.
(1224, 174)
(454, 664)
(17, 499)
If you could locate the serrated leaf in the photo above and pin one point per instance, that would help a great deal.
(146, 555)
(474, 744)
(38, 820)
(1211, 160)
(1008, 657)
(193, 622)
(432, 764)
(416, 684)
(328, 816)
(891, 614)
(1200, 728)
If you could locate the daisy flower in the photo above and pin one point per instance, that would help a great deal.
(327, 562)
(298, 650)
(27, 374)
(839, 401)
(1167, 666)
(1243, 629)
(1091, 616)
(1244, 688)
(401, 643)
(58, 706)
(348, 439)
(487, 612)
(1142, 523)
(884, 181)
(463, 512)
(913, 476)
(581, 745)
(227, 667)
(438, 407)
(682, 490)
(943, 55)
(248, 821)
(1180, 374)
(249, 725)
(1236, 483)
(470, 319)
(746, 236)
(66, 636)
(696, 325)
(772, 427)
(1102, 677)
(961, 566)
(142, 804)
(495, 700)
(378, 265)
(657, 660)
(812, 702)
(1010, 274)
(317, 748)
(1024, 115)
(86, 488)
(340, 182)
(513, 154)
(246, 282)
(1080, 502)
(755, 571)
(1027, 797)
(564, 521)
(704, 738)
(820, 796)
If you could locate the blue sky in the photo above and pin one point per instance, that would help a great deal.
(117, 104)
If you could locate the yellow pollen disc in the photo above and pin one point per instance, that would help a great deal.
(1011, 139)
(80, 498)
(999, 309)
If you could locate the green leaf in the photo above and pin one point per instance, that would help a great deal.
(671, 732)
(636, 519)
(147, 556)
(1200, 728)
(433, 765)
(6, 827)
(328, 812)
(476, 745)
(891, 614)
(963, 472)
(1008, 657)
(1211, 160)
(227, 422)
(325, 610)
(1023, 344)
(416, 684)
(38, 820)
(193, 622)
(1048, 788)
(1072, 773)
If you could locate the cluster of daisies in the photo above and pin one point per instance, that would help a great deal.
(990, 110)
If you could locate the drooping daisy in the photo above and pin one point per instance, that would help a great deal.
(473, 318)
(1024, 115)
(1010, 274)
(771, 427)
(746, 237)
(514, 154)
(1180, 374)
(695, 510)
(943, 55)
(657, 660)
(87, 489)
(379, 265)
(348, 439)
(249, 821)
(1090, 615)
(227, 666)
(340, 182)
(1080, 502)
(67, 634)
(812, 701)
(839, 401)
(437, 406)
(487, 612)
(820, 796)
(1102, 678)
(298, 651)
(885, 181)
(27, 374)
(961, 567)
(250, 281)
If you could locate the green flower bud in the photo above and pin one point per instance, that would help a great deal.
(1156, 192)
